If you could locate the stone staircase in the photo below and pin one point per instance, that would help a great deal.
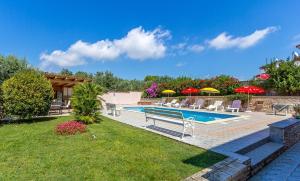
(251, 158)
(262, 153)
(242, 164)
(258, 155)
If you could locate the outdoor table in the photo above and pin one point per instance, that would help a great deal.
(56, 107)
(288, 109)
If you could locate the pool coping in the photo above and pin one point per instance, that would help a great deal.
(236, 116)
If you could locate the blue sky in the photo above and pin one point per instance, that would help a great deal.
(133, 38)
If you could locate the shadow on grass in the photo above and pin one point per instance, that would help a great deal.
(27, 121)
(166, 131)
(204, 159)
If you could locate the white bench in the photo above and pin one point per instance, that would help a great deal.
(170, 116)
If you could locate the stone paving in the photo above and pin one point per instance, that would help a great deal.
(285, 168)
(223, 137)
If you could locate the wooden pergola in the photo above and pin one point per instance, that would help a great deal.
(62, 85)
(64, 80)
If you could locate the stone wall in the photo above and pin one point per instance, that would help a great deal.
(286, 132)
(267, 101)
(227, 170)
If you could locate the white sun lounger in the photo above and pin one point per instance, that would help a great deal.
(161, 103)
(215, 106)
(198, 104)
(183, 103)
(170, 104)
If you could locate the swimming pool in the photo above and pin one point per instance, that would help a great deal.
(204, 117)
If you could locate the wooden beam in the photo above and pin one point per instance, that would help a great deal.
(64, 81)
(69, 85)
(62, 84)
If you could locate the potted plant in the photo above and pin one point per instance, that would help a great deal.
(297, 111)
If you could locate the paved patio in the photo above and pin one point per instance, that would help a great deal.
(285, 168)
(224, 137)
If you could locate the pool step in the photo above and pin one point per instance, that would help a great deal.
(264, 154)
(254, 145)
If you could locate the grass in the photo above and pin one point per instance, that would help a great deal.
(32, 151)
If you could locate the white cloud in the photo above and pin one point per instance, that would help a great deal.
(100, 50)
(138, 44)
(141, 45)
(61, 58)
(223, 40)
(196, 48)
(184, 48)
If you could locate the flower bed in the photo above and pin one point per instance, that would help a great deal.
(70, 128)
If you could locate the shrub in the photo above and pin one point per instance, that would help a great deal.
(180, 98)
(28, 93)
(225, 84)
(70, 128)
(242, 97)
(152, 91)
(9, 65)
(284, 77)
(84, 102)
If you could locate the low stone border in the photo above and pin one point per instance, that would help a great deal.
(228, 169)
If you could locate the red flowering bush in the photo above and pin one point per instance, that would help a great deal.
(70, 128)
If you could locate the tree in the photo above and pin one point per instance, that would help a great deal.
(109, 82)
(84, 102)
(158, 79)
(10, 65)
(84, 75)
(284, 77)
(136, 85)
(225, 84)
(28, 93)
(66, 72)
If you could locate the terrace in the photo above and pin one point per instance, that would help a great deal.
(245, 138)
(225, 137)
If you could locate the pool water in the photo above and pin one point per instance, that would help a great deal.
(198, 116)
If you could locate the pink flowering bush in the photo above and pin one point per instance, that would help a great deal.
(153, 90)
(70, 128)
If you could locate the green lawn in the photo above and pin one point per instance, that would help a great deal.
(31, 151)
